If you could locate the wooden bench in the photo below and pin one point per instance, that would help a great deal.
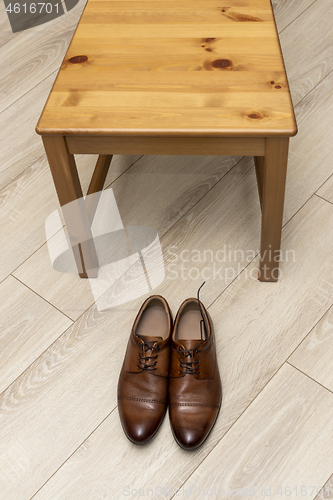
(171, 77)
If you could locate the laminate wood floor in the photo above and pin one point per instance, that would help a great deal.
(60, 355)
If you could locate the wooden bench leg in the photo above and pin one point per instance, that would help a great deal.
(96, 184)
(259, 162)
(68, 187)
(271, 174)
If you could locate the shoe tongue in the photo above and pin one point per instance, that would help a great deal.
(189, 344)
(149, 338)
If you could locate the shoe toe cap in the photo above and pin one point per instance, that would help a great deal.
(190, 428)
(140, 422)
(188, 439)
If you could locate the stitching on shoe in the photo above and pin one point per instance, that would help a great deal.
(145, 400)
(194, 404)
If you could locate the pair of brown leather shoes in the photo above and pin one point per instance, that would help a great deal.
(170, 364)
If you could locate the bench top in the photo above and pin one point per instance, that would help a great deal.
(172, 68)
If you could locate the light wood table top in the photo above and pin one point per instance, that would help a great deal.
(172, 68)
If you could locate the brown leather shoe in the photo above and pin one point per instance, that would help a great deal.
(143, 380)
(195, 391)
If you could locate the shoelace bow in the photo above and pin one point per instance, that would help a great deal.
(144, 360)
(192, 367)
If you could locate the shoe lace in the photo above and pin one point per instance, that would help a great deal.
(192, 367)
(143, 359)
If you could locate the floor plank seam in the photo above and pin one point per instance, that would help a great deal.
(299, 15)
(328, 178)
(285, 362)
(13, 180)
(32, 88)
(104, 419)
(76, 449)
(243, 270)
(56, 71)
(108, 415)
(127, 169)
(17, 34)
(73, 29)
(166, 233)
(314, 88)
(74, 322)
(231, 425)
(308, 376)
(57, 472)
(230, 171)
(318, 195)
(13, 271)
(16, 268)
(43, 298)
(236, 277)
(309, 332)
(41, 354)
(300, 208)
(247, 407)
(327, 480)
(108, 186)
(21, 173)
